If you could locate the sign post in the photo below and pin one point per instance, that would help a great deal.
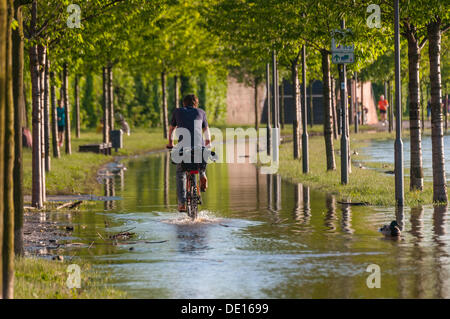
(399, 190)
(342, 55)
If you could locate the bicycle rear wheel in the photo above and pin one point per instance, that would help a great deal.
(192, 198)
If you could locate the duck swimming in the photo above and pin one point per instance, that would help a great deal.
(392, 230)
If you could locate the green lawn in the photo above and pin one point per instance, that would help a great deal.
(46, 279)
(365, 185)
(75, 174)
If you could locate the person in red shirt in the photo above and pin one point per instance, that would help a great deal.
(383, 106)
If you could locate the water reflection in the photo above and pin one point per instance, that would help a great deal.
(400, 217)
(192, 239)
(302, 211)
(441, 252)
(264, 237)
(382, 151)
(330, 217)
(109, 191)
(346, 223)
(166, 178)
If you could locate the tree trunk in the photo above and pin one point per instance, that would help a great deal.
(297, 112)
(362, 102)
(333, 108)
(110, 101)
(36, 194)
(8, 191)
(439, 182)
(176, 92)
(54, 125)
(105, 106)
(19, 107)
(327, 113)
(42, 55)
(47, 115)
(355, 103)
(311, 104)
(164, 105)
(3, 78)
(350, 101)
(67, 109)
(36, 200)
(416, 173)
(282, 104)
(77, 106)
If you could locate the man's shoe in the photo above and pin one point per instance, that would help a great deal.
(182, 208)
(203, 183)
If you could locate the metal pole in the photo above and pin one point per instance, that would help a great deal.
(338, 109)
(311, 104)
(305, 154)
(275, 90)
(269, 127)
(399, 190)
(344, 105)
(276, 114)
(355, 93)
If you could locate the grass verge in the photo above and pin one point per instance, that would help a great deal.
(46, 279)
(365, 185)
(75, 173)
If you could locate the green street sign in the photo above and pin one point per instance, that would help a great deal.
(342, 57)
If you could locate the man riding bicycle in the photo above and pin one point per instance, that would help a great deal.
(190, 118)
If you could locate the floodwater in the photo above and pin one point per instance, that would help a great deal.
(259, 237)
(383, 151)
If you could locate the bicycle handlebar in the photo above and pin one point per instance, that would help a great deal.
(212, 154)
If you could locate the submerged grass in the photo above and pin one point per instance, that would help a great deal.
(46, 279)
(75, 174)
(369, 184)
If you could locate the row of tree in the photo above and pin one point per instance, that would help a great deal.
(174, 39)
(252, 29)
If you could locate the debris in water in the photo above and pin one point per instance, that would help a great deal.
(354, 203)
(123, 235)
(156, 242)
(70, 205)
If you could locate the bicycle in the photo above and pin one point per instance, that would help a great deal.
(192, 170)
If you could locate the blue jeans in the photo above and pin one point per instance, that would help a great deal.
(181, 183)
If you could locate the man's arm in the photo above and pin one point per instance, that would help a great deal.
(205, 129)
(171, 129)
(207, 136)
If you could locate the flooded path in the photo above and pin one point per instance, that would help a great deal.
(383, 152)
(259, 237)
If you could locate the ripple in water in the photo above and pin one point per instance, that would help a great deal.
(204, 217)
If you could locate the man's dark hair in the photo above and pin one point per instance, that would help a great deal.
(190, 100)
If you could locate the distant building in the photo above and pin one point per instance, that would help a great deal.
(240, 102)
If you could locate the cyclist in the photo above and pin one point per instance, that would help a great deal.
(193, 119)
